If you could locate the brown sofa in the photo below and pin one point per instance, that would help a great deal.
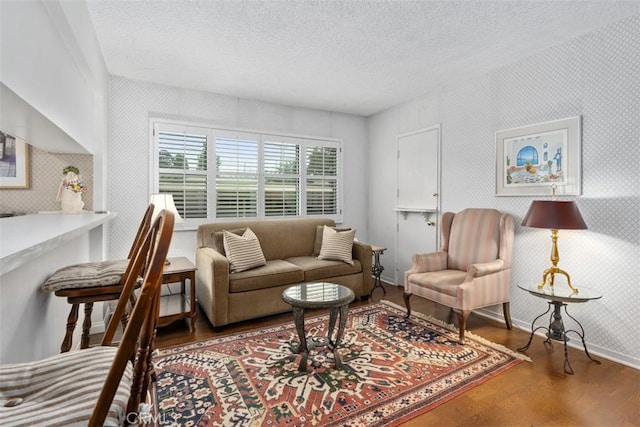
(288, 246)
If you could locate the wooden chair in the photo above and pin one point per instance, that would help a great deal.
(472, 268)
(92, 282)
(101, 385)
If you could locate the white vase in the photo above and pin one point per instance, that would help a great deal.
(71, 201)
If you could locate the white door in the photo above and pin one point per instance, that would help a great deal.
(418, 195)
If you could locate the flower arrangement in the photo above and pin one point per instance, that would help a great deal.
(72, 181)
(70, 190)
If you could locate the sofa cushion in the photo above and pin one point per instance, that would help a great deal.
(318, 242)
(243, 252)
(337, 245)
(218, 238)
(273, 273)
(279, 238)
(318, 269)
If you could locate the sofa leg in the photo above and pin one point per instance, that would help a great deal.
(507, 315)
(462, 320)
(406, 297)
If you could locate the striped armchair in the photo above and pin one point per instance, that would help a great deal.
(473, 267)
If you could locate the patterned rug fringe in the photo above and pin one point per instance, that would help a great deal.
(453, 328)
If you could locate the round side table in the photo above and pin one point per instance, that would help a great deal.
(377, 269)
(559, 297)
(319, 295)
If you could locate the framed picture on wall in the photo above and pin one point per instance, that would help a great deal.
(14, 162)
(532, 159)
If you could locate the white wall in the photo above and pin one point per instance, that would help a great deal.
(54, 95)
(133, 102)
(51, 59)
(595, 76)
(33, 322)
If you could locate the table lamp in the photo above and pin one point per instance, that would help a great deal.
(556, 215)
(164, 201)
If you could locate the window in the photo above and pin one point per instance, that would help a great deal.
(236, 177)
(322, 180)
(227, 174)
(182, 169)
(281, 178)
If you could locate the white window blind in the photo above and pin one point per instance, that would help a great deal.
(322, 180)
(182, 166)
(236, 178)
(226, 174)
(281, 178)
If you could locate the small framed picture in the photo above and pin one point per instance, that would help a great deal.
(14, 162)
(532, 159)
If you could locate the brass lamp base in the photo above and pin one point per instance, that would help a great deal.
(551, 271)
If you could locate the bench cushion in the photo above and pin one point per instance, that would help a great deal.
(61, 390)
(86, 275)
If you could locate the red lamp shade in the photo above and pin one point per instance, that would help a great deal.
(553, 214)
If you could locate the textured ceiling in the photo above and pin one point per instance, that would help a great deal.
(358, 57)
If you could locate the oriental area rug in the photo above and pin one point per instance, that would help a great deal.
(394, 368)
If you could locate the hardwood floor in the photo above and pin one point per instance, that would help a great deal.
(530, 394)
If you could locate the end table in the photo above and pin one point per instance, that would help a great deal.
(377, 268)
(179, 306)
(559, 296)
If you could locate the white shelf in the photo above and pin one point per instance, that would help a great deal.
(26, 237)
(418, 210)
(424, 211)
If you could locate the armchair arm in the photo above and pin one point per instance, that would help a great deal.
(423, 263)
(362, 252)
(482, 269)
(212, 284)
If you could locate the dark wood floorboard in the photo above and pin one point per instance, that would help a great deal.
(530, 394)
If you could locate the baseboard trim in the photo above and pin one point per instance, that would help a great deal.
(594, 349)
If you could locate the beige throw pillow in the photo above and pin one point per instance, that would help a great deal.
(337, 245)
(318, 242)
(243, 252)
(218, 238)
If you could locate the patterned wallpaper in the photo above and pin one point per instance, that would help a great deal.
(132, 103)
(596, 76)
(46, 174)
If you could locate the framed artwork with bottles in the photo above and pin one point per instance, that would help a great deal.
(531, 159)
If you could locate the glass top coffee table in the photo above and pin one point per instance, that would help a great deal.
(319, 295)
